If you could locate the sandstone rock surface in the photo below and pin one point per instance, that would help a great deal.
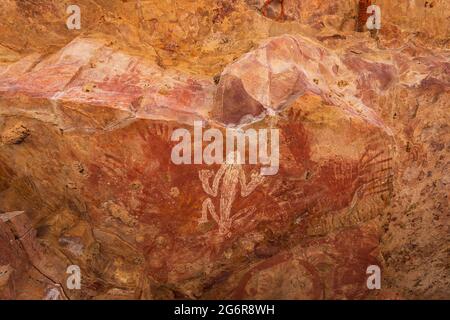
(86, 120)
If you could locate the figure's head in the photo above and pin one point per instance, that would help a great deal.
(233, 157)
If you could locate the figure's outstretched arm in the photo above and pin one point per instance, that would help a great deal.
(255, 180)
(217, 179)
(204, 176)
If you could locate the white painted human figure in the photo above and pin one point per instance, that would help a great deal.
(225, 185)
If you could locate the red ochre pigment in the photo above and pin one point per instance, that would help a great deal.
(362, 14)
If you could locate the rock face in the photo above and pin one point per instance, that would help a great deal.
(87, 178)
(283, 69)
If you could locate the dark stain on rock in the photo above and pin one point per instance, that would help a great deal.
(266, 250)
(232, 102)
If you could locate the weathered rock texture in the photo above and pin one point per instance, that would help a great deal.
(86, 178)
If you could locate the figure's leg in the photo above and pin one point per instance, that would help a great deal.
(208, 206)
(243, 214)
